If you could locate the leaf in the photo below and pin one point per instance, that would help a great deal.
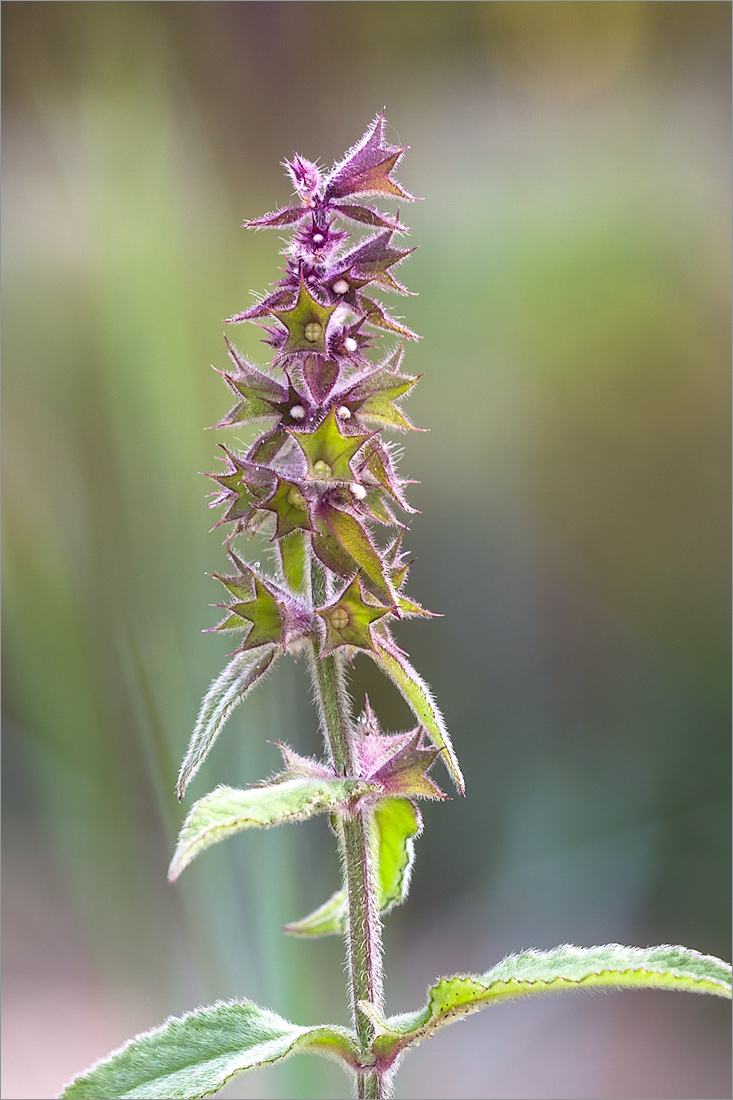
(320, 374)
(227, 811)
(398, 823)
(564, 967)
(195, 1055)
(328, 920)
(373, 256)
(417, 694)
(228, 689)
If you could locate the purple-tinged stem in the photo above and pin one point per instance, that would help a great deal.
(356, 841)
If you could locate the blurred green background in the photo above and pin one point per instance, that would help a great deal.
(574, 285)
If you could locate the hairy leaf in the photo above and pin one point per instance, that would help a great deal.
(417, 694)
(195, 1055)
(227, 811)
(228, 689)
(565, 967)
(328, 919)
(397, 822)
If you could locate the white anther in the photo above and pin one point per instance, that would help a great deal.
(350, 343)
(297, 412)
(317, 238)
(340, 287)
(357, 490)
(343, 413)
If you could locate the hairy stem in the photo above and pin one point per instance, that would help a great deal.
(356, 841)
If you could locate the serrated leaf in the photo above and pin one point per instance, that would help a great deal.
(227, 811)
(397, 822)
(379, 465)
(320, 374)
(417, 694)
(261, 608)
(195, 1055)
(565, 967)
(228, 689)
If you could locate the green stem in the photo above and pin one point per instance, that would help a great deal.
(356, 842)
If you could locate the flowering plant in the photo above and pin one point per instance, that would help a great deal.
(321, 480)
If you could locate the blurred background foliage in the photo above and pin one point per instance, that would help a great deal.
(574, 286)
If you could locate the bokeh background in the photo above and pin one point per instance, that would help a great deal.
(574, 284)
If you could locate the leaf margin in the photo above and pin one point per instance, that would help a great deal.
(201, 829)
(444, 1006)
(306, 1040)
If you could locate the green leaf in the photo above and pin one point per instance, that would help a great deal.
(328, 920)
(228, 689)
(227, 811)
(417, 693)
(397, 822)
(566, 967)
(195, 1055)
